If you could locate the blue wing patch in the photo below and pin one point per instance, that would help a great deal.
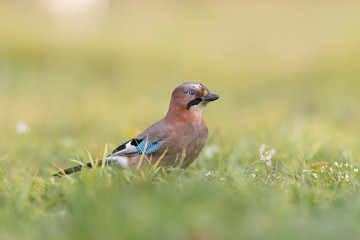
(150, 147)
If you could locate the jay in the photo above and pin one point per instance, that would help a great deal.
(177, 138)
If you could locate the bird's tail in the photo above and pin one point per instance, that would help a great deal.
(78, 168)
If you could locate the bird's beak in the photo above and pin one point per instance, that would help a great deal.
(210, 97)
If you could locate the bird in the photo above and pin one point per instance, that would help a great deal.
(177, 138)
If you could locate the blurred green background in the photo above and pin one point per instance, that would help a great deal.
(101, 71)
(87, 73)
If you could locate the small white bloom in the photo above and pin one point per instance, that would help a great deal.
(211, 150)
(22, 127)
(356, 170)
(336, 164)
(221, 179)
(210, 174)
(52, 180)
(269, 163)
(273, 151)
(262, 147)
(256, 170)
(253, 175)
(315, 175)
(62, 213)
(347, 177)
(346, 154)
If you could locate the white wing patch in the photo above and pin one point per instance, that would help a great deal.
(119, 161)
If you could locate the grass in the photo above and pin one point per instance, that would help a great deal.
(287, 75)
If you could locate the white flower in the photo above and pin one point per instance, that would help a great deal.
(210, 174)
(273, 151)
(269, 163)
(52, 180)
(347, 177)
(211, 150)
(22, 127)
(266, 156)
(336, 164)
(315, 175)
(62, 213)
(356, 170)
(221, 179)
(262, 148)
(253, 175)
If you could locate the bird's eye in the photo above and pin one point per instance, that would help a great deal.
(191, 92)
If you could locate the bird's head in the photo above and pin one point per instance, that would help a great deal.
(191, 96)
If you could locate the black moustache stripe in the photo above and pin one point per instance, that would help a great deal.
(194, 102)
